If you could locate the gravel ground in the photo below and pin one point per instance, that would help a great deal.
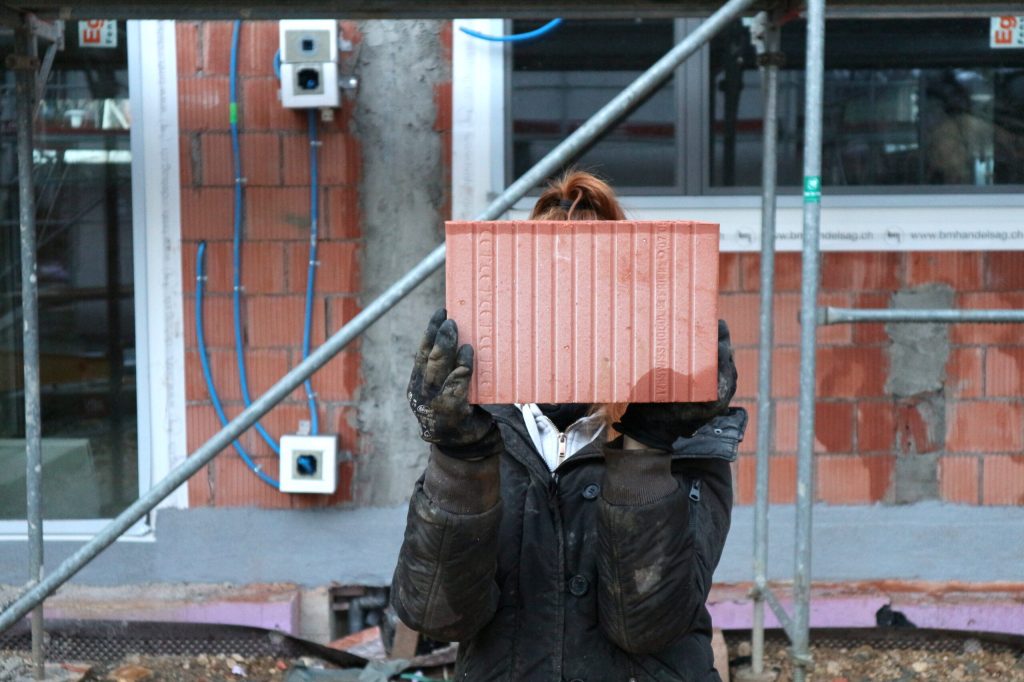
(870, 664)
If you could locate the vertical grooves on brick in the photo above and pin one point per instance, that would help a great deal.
(575, 348)
(632, 307)
(595, 358)
(694, 260)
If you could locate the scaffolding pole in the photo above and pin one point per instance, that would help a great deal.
(25, 63)
(770, 59)
(601, 122)
(814, 84)
(829, 315)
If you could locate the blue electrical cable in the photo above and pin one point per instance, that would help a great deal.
(205, 361)
(314, 217)
(515, 37)
(236, 255)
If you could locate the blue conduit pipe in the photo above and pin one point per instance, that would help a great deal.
(314, 218)
(208, 376)
(236, 254)
(515, 37)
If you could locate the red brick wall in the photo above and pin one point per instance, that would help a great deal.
(274, 151)
(860, 430)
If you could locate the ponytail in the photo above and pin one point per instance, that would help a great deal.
(578, 195)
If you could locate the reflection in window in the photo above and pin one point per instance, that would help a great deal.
(923, 102)
(82, 174)
(561, 80)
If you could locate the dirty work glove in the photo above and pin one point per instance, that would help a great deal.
(658, 425)
(439, 387)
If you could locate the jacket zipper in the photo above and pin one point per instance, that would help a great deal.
(695, 490)
(561, 448)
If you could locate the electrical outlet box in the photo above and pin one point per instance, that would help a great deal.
(309, 464)
(309, 63)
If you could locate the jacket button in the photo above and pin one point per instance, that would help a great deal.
(591, 491)
(575, 679)
(578, 586)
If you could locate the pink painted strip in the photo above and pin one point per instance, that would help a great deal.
(586, 311)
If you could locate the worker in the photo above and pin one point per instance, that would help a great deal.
(566, 542)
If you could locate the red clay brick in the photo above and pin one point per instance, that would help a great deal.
(781, 479)
(1003, 479)
(851, 372)
(857, 479)
(338, 159)
(982, 334)
(961, 270)
(787, 271)
(187, 44)
(746, 369)
(916, 428)
(868, 334)
(200, 489)
(263, 267)
(340, 214)
(341, 309)
(1004, 371)
(728, 272)
(786, 373)
(224, 371)
(203, 103)
(958, 479)
(443, 106)
(206, 214)
(264, 367)
(833, 427)
(216, 322)
(276, 321)
(216, 45)
(281, 420)
(201, 424)
(741, 312)
(277, 213)
(215, 167)
(861, 271)
(985, 426)
(787, 319)
(237, 486)
(876, 427)
(338, 272)
(1005, 270)
(339, 379)
(257, 45)
(185, 160)
(261, 109)
(218, 279)
(965, 377)
(260, 154)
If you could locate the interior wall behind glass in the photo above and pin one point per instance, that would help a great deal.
(563, 78)
(82, 176)
(906, 103)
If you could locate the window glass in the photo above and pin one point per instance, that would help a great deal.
(562, 79)
(906, 103)
(82, 173)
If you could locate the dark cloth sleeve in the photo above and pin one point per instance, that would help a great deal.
(658, 545)
(444, 585)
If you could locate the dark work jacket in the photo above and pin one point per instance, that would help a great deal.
(599, 572)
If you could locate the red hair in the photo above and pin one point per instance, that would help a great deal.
(579, 195)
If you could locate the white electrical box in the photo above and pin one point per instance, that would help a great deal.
(309, 63)
(309, 464)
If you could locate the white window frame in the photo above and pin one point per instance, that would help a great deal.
(989, 221)
(159, 330)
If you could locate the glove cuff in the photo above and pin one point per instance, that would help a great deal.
(462, 486)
